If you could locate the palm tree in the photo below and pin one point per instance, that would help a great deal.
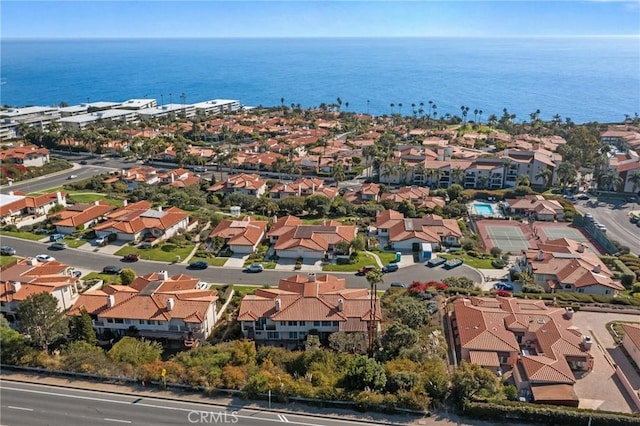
(457, 174)
(434, 176)
(392, 106)
(403, 170)
(566, 174)
(279, 166)
(420, 170)
(400, 109)
(611, 180)
(545, 175)
(388, 169)
(634, 178)
(523, 180)
(338, 173)
(482, 181)
(373, 278)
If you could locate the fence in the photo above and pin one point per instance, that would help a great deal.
(599, 236)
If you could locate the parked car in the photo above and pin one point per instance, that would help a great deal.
(582, 197)
(366, 269)
(503, 286)
(7, 251)
(83, 162)
(199, 169)
(634, 219)
(106, 239)
(589, 216)
(131, 257)
(56, 237)
(111, 269)
(452, 263)
(398, 284)
(200, 264)
(45, 258)
(436, 261)
(58, 246)
(76, 274)
(392, 267)
(254, 268)
(72, 177)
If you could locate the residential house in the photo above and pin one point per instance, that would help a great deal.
(15, 207)
(565, 265)
(137, 175)
(81, 216)
(631, 341)
(242, 236)
(626, 165)
(155, 305)
(367, 192)
(537, 207)
(536, 344)
(137, 221)
(301, 187)
(27, 156)
(304, 305)
(248, 184)
(416, 195)
(408, 234)
(178, 178)
(26, 277)
(291, 239)
(530, 163)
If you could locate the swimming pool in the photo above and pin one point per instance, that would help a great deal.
(484, 209)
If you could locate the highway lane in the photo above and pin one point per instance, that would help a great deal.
(614, 214)
(91, 261)
(58, 179)
(27, 404)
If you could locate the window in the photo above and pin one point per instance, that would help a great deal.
(119, 321)
(293, 335)
(110, 320)
(273, 335)
(293, 323)
(303, 323)
(607, 292)
(127, 321)
(326, 323)
(283, 323)
(151, 322)
(581, 290)
(336, 323)
(316, 323)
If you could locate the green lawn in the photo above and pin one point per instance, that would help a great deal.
(212, 261)
(362, 260)
(74, 242)
(161, 253)
(266, 263)
(24, 235)
(471, 261)
(107, 278)
(5, 260)
(242, 290)
(386, 257)
(90, 197)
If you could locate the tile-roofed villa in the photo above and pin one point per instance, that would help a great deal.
(402, 233)
(306, 304)
(242, 236)
(248, 184)
(157, 305)
(535, 344)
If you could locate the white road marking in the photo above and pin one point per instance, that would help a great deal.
(20, 408)
(283, 418)
(106, 419)
(139, 404)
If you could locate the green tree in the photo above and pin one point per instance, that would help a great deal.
(435, 378)
(318, 204)
(567, 174)
(634, 179)
(471, 380)
(292, 205)
(398, 337)
(127, 276)
(359, 243)
(135, 351)
(12, 344)
(41, 320)
(411, 312)
(363, 372)
(454, 191)
(355, 343)
(545, 175)
(81, 328)
(84, 357)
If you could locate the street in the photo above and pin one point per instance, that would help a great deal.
(89, 261)
(614, 214)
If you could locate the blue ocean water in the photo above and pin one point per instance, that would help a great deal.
(582, 78)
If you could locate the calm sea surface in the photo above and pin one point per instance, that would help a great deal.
(585, 79)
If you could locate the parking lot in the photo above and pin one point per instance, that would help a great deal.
(614, 214)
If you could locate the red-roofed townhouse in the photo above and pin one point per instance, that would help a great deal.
(404, 233)
(81, 216)
(156, 305)
(137, 221)
(25, 277)
(292, 239)
(27, 156)
(248, 184)
(14, 206)
(307, 304)
(538, 207)
(538, 345)
(242, 236)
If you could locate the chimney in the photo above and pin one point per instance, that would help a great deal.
(59, 198)
(540, 255)
(96, 203)
(16, 286)
(123, 173)
(163, 275)
(568, 312)
(311, 277)
(596, 269)
(159, 208)
(340, 305)
(32, 261)
(111, 301)
(278, 305)
(586, 343)
(170, 303)
(124, 203)
(581, 248)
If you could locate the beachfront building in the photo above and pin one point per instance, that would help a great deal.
(85, 108)
(106, 117)
(138, 104)
(34, 116)
(304, 305)
(167, 111)
(216, 106)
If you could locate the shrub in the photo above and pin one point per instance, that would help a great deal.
(532, 288)
(496, 251)
(498, 263)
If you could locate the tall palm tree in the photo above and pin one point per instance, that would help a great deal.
(338, 173)
(523, 180)
(457, 174)
(545, 175)
(434, 176)
(403, 170)
(611, 180)
(567, 174)
(392, 105)
(634, 178)
(420, 170)
(400, 109)
(482, 181)
(388, 169)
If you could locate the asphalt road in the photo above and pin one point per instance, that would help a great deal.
(45, 182)
(25, 404)
(90, 261)
(614, 214)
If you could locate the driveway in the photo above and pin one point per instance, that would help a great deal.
(600, 389)
(614, 214)
(236, 261)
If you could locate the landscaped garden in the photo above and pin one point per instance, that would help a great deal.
(162, 252)
(362, 259)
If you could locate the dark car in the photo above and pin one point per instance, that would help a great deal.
(397, 284)
(131, 257)
(503, 286)
(111, 269)
(392, 267)
(58, 246)
(436, 261)
(56, 237)
(365, 270)
(83, 162)
(76, 274)
(254, 267)
(7, 251)
(200, 264)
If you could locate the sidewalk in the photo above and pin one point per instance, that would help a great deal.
(437, 419)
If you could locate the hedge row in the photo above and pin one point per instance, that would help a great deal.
(549, 415)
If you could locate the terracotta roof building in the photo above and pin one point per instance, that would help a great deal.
(402, 233)
(631, 341)
(302, 303)
(27, 156)
(242, 236)
(536, 206)
(248, 184)
(157, 305)
(81, 215)
(537, 344)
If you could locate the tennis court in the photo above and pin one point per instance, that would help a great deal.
(553, 233)
(508, 238)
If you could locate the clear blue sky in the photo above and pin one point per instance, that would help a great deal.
(307, 18)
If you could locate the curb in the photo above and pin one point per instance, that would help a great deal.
(214, 403)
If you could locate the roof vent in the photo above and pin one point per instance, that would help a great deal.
(163, 275)
(111, 301)
(171, 302)
(16, 286)
(340, 305)
(597, 269)
(312, 277)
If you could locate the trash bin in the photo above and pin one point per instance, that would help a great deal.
(398, 256)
